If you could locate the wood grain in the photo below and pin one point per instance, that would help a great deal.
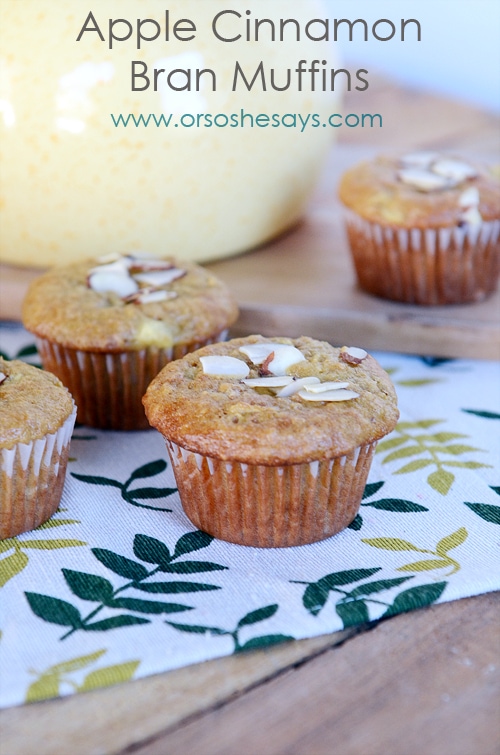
(107, 720)
(304, 284)
(419, 684)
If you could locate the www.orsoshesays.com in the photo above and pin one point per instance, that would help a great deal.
(244, 119)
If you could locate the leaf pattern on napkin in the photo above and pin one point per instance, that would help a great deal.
(354, 605)
(28, 353)
(485, 510)
(408, 440)
(131, 495)
(317, 593)
(253, 617)
(97, 589)
(442, 558)
(242, 611)
(416, 382)
(14, 563)
(482, 413)
(398, 505)
(49, 682)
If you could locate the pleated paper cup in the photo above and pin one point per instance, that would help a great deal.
(31, 480)
(108, 387)
(430, 266)
(271, 506)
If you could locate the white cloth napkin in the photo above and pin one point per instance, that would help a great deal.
(119, 584)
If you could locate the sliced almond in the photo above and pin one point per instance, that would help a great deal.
(454, 170)
(469, 197)
(352, 354)
(284, 358)
(269, 382)
(328, 385)
(296, 385)
(107, 258)
(258, 352)
(419, 159)
(224, 365)
(114, 281)
(285, 355)
(471, 216)
(146, 265)
(150, 295)
(119, 265)
(160, 277)
(423, 180)
(3, 377)
(340, 395)
(264, 370)
(141, 256)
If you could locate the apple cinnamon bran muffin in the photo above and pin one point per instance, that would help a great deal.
(271, 440)
(37, 416)
(424, 228)
(106, 327)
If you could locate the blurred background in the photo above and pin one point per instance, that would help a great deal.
(459, 54)
(243, 187)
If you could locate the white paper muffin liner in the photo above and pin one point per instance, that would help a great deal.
(32, 478)
(425, 266)
(271, 506)
(108, 388)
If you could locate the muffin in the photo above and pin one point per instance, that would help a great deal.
(37, 416)
(424, 228)
(106, 327)
(271, 440)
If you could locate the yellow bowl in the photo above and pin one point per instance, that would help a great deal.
(75, 181)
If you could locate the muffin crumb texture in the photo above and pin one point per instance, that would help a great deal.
(107, 326)
(271, 440)
(424, 228)
(228, 418)
(127, 303)
(421, 190)
(33, 403)
(37, 416)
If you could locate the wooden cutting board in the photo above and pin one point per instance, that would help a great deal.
(304, 284)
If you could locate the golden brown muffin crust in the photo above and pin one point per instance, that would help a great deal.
(373, 190)
(223, 418)
(61, 307)
(33, 403)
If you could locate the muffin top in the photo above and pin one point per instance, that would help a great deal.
(224, 400)
(126, 303)
(421, 190)
(33, 403)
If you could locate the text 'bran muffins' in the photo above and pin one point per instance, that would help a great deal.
(424, 228)
(106, 327)
(271, 440)
(37, 416)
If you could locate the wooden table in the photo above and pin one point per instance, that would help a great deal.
(424, 683)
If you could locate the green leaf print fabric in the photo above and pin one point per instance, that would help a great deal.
(119, 584)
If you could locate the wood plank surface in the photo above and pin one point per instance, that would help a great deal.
(111, 720)
(420, 684)
(304, 284)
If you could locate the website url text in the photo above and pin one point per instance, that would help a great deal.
(245, 119)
